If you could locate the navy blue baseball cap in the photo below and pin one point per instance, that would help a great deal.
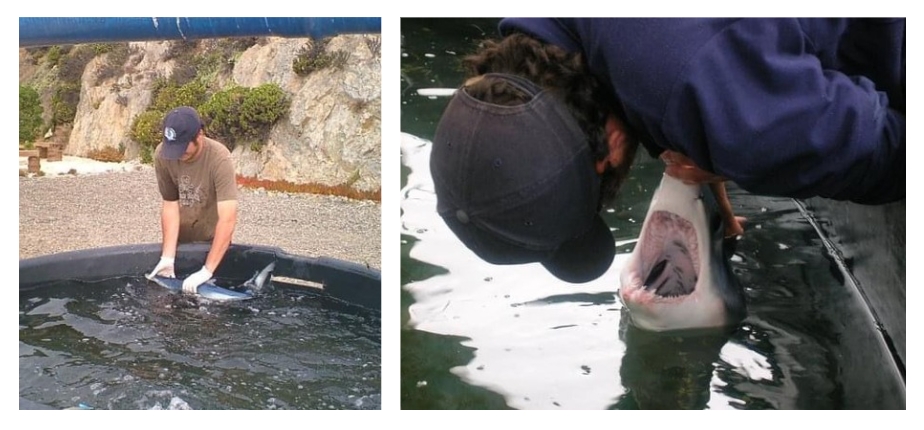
(517, 184)
(181, 126)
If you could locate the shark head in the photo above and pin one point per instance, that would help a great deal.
(678, 276)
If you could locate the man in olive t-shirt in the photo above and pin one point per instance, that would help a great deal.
(196, 180)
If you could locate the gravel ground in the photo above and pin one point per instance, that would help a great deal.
(66, 213)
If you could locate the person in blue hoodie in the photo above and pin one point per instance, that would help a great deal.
(543, 132)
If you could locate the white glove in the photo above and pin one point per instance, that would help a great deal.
(192, 283)
(163, 268)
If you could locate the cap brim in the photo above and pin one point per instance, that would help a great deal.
(489, 248)
(585, 258)
(577, 261)
(173, 150)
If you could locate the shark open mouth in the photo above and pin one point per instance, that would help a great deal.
(670, 255)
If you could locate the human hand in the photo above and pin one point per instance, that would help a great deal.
(682, 167)
(163, 268)
(192, 283)
(734, 225)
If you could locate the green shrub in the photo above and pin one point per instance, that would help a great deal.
(38, 51)
(99, 48)
(71, 66)
(240, 44)
(210, 64)
(222, 114)
(64, 102)
(102, 48)
(158, 85)
(53, 54)
(30, 114)
(235, 115)
(183, 74)
(238, 114)
(170, 96)
(261, 108)
(116, 56)
(66, 95)
(146, 130)
(220, 54)
(374, 44)
(181, 49)
(338, 59)
(147, 155)
(313, 57)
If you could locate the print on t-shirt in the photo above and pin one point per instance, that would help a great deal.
(188, 194)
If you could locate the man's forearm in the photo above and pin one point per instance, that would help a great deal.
(170, 224)
(223, 232)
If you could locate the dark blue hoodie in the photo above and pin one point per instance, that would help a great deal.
(790, 107)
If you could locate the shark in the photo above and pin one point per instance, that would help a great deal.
(679, 275)
(209, 290)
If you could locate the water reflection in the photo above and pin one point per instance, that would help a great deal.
(127, 344)
(669, 370)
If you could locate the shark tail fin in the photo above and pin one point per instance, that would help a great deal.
(260, 279)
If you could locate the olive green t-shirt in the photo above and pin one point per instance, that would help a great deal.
(198, 185)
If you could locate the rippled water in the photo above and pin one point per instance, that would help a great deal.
(476, 335)
(129, 344)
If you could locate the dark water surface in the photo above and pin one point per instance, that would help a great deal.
(129, 344)
(476, 335)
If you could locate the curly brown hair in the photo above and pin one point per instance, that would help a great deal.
(563, 73)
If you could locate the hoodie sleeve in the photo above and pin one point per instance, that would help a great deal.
(755, 105)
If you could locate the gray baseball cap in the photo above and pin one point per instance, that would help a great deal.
(517, 184)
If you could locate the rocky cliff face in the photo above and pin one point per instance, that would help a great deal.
(331, 135)
(106, 108)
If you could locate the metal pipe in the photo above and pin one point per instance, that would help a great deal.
(59, 31)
